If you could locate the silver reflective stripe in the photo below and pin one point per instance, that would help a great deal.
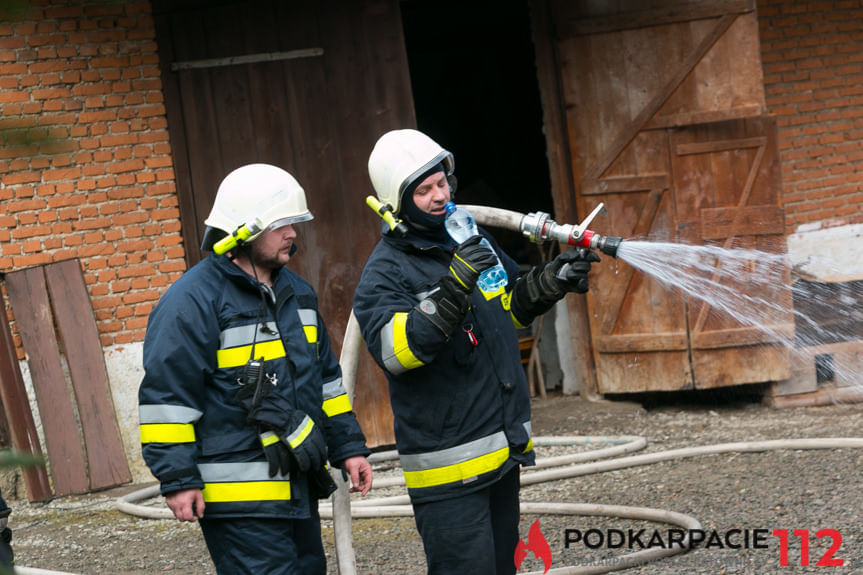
(528, 428)
(237, 472)
(388, 352)
(333, 389)
(167, 414)
(298, 431)
(308, 316)
(453, 455)
(245, 334)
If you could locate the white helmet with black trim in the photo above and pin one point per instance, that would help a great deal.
(258, 196)
(399, 158)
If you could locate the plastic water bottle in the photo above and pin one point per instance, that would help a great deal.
(461, 227)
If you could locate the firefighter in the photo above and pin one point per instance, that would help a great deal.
(450, 353)
(242, 404)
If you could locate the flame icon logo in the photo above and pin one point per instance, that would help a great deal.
(535, 542)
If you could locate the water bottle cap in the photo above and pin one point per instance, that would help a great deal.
(449, 207)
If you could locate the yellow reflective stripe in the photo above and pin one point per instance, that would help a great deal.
(458, 471)
(506, 302)
(337, 405)
(298, 438)
(529, 446)
(247, 491)
(167, 433)
(493, 294)
(401, 349)
(455, 275)
(311, 333)
(238, 356)
(269, 438)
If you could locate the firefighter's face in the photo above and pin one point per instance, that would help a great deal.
(432, 194)
(272, 249)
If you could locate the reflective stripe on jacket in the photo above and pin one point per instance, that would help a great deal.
(461, 411)
(199, 338)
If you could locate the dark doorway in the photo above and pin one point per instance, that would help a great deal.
(475, 88)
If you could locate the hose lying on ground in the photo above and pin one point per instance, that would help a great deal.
(399, 505)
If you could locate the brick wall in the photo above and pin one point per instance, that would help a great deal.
(812, 53)
(85, 163)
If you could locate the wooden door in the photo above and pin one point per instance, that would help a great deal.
(663, 107)
(305, 85)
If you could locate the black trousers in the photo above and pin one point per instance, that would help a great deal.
(476, 533)
(255, 546)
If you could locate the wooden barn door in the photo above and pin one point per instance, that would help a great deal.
(306, 85)
(664, 116)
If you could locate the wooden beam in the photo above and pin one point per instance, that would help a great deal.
(703, 117)
(29, 297)
(719, 146)
(722, 223)
(638, 342)
(635, 19)
(562, 183)
(16, 407)
(626, 184)
(85, 359)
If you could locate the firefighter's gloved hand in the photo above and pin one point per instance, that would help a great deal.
(306, 442)
(541, 288)
(470, 259)
(294, 428)
(446, 307)
(278, 454)
(568, 272)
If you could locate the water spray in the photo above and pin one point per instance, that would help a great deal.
(538, 227)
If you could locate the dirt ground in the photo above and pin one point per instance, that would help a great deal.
(788, 489)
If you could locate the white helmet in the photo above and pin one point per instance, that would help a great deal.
(260, 195)
(398, 158)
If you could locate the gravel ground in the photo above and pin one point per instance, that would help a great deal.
(776, 490)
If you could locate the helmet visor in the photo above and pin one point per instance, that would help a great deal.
(282, 222)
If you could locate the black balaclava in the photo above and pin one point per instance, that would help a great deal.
(431, 225)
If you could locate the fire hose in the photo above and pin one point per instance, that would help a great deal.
(538, 227)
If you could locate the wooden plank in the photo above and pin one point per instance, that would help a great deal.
(29, 297)
(16, 408)
(738, 365)
(817, 398)
(73, 314)
(677, 341)
(655, 104)
(722, 223)
(719, 146)
(626, 184)
(631, 20)
(661, 122)
(739, 336)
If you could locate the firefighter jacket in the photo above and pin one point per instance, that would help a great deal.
(461, 405)
(200, 336)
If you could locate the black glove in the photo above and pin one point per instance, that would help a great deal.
(541, 288)
(568, 272)
(470, 259)
(322, 483)
(446, 307)
(294, 428)
(278, 454)
(283, 429)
